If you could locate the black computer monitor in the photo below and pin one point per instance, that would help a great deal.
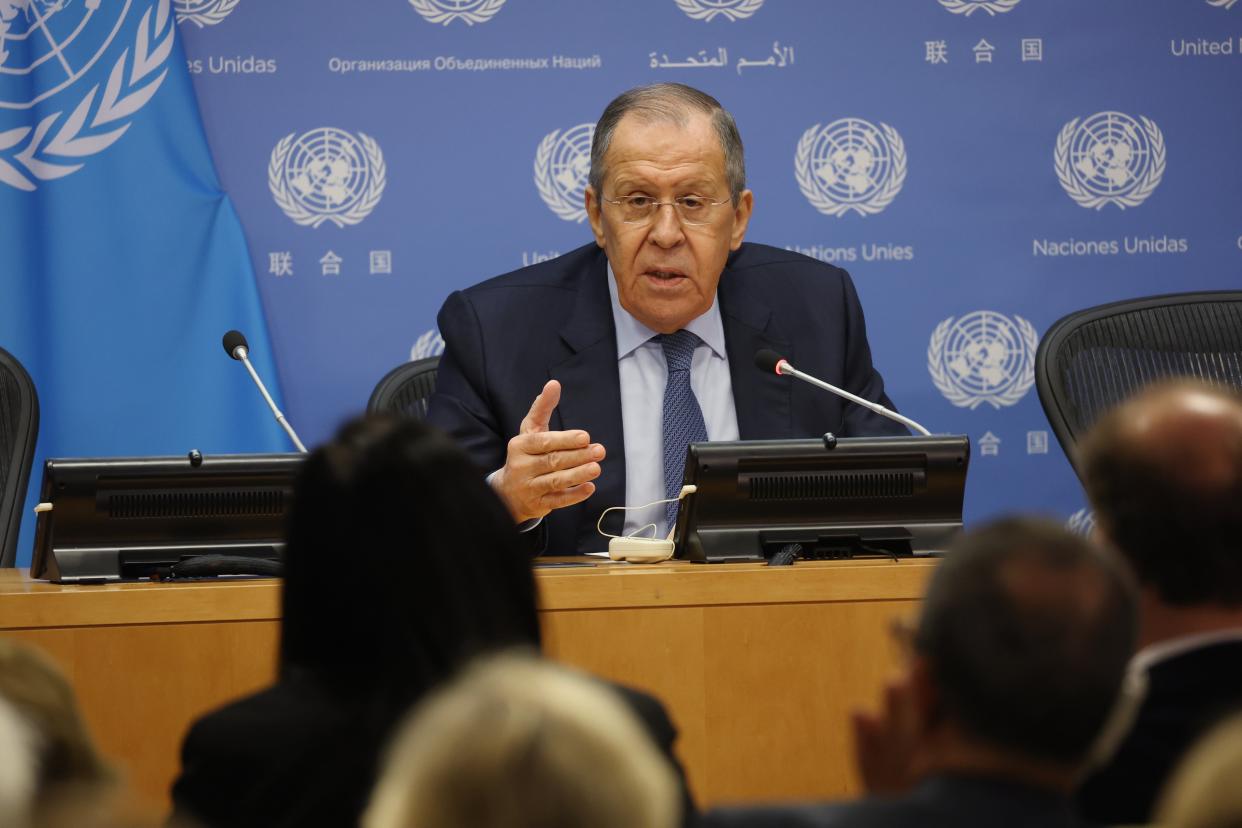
(836, 498)
(124, 518)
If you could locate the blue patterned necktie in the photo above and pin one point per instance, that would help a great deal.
(683, 419)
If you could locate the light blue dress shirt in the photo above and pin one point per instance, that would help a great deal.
(644, 373)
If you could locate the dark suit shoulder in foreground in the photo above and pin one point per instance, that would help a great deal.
(289, 755)
(939, 802)
(1186, 695)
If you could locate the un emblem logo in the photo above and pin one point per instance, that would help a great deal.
(562, 164)
(428, 345)
(1110, 158)
(326, 174)
(983, 357)
(708, 9)
(467, 11)
(53, 46)
(1081, 522)
(969, 7)
(203, 12)
(850, 164)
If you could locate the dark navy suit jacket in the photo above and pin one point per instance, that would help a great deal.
(508, 336)
(1186, 695)
(948, 801)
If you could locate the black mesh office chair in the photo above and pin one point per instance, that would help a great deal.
(1095, 358)
(406, 389)
(19, 428)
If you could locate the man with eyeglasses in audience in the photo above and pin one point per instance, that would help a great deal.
(643, 342)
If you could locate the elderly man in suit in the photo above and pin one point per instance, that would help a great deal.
(1013, 671)
(1164, 473)
(636, 345)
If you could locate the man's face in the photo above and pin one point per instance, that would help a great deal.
(666, 271)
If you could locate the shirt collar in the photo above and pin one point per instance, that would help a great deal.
(1153, 654)
(632, 334)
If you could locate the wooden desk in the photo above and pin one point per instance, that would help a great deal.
(758, 666)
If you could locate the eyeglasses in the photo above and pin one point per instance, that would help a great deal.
(640, 209)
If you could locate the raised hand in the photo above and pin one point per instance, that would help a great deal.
(546, 470)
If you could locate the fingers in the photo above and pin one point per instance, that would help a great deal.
(568, 497)
(553, 461)
(885, 742)
(546, 470)
(874, 754)
(540, 414)
(532, 495)
(545, 442)
(545, 484)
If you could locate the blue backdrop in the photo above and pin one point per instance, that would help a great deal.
(974, 184)
(981, 167)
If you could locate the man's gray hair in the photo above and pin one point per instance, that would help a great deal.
(673, 102)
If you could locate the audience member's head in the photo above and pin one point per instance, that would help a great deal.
(1164, 474)
(1023, 640)
(18, 768)
(401, 563)
(1203, 792)
(520, 743)
(66, 757)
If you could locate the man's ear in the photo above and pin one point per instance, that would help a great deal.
(741, 218)
(594, 210)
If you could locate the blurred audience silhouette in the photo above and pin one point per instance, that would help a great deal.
(401, 566)
(520, 743)
(1014, 667)
(1164, 474)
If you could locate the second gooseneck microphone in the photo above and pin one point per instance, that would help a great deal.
(235, 345)
(769, 360)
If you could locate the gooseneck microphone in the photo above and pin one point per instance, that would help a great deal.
(235, 345)
(769, 360)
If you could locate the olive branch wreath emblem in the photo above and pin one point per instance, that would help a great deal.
(429, 344)
(546, 185)
(992, 7)
(962, 399)
(1084, 197)
(297, 211)
(739, 11)
(209, 16)
(434, 13)
(829, 206)
(91, 127)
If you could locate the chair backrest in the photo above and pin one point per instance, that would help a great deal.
(19, 428)
(1095, 358)
(406, 389)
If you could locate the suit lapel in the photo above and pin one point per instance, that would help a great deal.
(762, 399)
(591, 387)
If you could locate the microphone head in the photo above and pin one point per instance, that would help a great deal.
(768, 360)
(234, 340)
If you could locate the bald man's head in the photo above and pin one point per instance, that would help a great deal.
(1164, 473)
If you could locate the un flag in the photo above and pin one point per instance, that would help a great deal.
(123, 259)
